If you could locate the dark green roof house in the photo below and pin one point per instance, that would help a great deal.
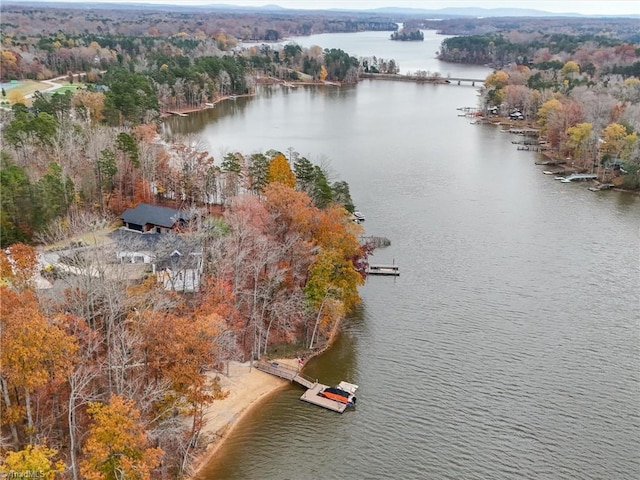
(152, 218)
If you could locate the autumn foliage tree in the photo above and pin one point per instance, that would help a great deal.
(117, 446)
(280, 171)
(31, 461)
(18, 265)
(332, 272)
(617, 142)
(35, 352)
(581, 143)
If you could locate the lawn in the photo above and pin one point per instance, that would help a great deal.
(66, 86)
(25, 88)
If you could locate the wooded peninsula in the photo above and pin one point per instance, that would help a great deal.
(133, 266)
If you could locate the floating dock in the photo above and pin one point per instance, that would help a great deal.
(311, 395)
(393, 270)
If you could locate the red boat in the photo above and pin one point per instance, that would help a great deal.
(338, 395)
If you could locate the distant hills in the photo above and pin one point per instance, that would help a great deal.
(450, 12)
(472, 12)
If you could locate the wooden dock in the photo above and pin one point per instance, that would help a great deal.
(383, 270)
(578, 176)
(311, 395)
(531, 132)
(531, 148)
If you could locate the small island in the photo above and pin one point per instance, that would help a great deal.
(408, 35)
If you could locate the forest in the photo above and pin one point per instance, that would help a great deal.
(106, 374)
(582, 92)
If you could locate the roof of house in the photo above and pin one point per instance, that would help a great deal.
(181, 261)
(161, 216)
(167, 247)
(135, 241)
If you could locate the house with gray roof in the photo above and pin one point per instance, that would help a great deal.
(152, 218)
(175, 260)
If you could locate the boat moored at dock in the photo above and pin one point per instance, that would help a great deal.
(343, 393)
(336, 398)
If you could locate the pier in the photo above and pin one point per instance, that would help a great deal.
(531, 148)
(393, 270)
(578, 176)
(530, 132)
(312, 394)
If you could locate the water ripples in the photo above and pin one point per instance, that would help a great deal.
(509, 346)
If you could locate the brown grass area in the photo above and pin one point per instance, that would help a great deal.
(27, 87)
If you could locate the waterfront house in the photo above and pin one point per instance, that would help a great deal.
(180, 272)
(152, 218)
(175, 262)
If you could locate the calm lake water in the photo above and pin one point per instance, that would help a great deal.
(509, 347)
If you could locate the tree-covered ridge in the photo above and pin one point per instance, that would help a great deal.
(623, 29)
(581, 89)
(589, 118)
(199, 22)
(499, 49)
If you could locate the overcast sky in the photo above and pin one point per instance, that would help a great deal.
(588, 7)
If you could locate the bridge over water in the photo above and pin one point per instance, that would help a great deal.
(437, 79)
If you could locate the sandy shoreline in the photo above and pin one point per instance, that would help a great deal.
(247, 388)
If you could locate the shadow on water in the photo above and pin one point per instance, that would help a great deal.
(196, 122)
(339, 361)
(508, 347)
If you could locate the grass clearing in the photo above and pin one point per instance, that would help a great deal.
(24, 88)
(27, 87)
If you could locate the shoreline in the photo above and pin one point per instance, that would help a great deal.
(184, 112)
(187, 110)
(248, 387)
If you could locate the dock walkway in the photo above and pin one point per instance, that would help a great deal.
(287, 372)
(313, 387)
(578, 176)
(383, 270)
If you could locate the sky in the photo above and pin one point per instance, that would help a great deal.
(587, 7)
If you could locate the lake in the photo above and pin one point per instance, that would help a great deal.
(509, 346)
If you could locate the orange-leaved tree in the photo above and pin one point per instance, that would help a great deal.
(182, 361)
(35, 352)
(337, 238)
(18, 265)
(280, 171)
(117, 446)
